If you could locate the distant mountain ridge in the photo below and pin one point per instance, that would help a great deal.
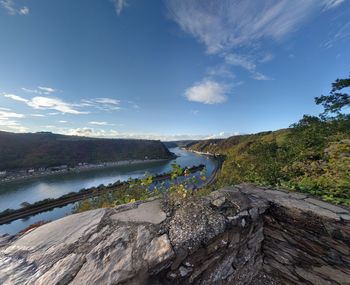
(36, 150)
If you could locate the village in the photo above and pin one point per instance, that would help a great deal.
(15, 175)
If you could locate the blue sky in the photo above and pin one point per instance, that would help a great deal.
(171, 69)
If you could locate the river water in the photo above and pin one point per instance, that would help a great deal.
(14, 193)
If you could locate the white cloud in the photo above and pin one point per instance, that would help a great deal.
(45, 103)
(23, 11)
(207, 92)
(100, 123)
(49, 103)
(330, 4)
(12, 8)
(86, 132)
(91, 132)
(47, 89)
(104, 104)
(15, 97)
(62, 121)
(27, 90)
(222, 25)
(266, 58)
(229, 28)
(221, 71)
(13, 126)
(107, 101)
(37, 115)
(5, 115)
(340, 35)
(40, 90)
(120, 5)
(8, 121)
(260, 76)
(222, 135)
(49, 127)
(239, 60)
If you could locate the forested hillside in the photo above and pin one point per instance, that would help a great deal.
(23, 151)
(183, 143)
(311, 156)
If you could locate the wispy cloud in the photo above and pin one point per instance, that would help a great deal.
(236, 30)
(16, 98)
(221, 71)
(104, 104)
(46, 103)
(12, 126)
(120, 5)
(13, 9)
(85, 106)
(340, 35)
(246, 63)
(207, 92)
(330, 4)
(47, 89)
(38, 115)
(100, 123)
(8, 121)
(4, 115)
(4, 109)
(266, 58)
(222, 25)
(107, 101)
(40, 90)
(100, 133)
(23, 11)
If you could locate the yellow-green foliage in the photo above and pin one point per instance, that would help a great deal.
(313, 156)
(176, 190)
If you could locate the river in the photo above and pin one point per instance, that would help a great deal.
(14, 193)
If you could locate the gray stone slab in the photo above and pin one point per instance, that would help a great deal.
(298, 196)
(277, 193)
(345, 217)
(327, 206)
(149, 212)
(303, 205)
(59, 233)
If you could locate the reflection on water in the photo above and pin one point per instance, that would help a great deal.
(13, 194)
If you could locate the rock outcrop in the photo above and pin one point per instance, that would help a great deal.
(233, 236)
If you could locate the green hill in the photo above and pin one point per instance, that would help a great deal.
(313, 157)
(34, 150)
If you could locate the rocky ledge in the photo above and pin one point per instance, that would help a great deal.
(236, 235)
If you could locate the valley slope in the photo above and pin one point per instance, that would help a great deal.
(312, 156)
(36, 150)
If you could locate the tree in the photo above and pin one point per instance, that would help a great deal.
(335, 101)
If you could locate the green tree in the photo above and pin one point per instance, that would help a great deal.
(336, 101)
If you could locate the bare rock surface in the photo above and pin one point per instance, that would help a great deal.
(150, 212)
(237, 235)
(59, 233)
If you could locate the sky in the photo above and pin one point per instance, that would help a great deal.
(170, 69)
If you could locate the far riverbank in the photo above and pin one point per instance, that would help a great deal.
(78, 169)
(13, 195)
